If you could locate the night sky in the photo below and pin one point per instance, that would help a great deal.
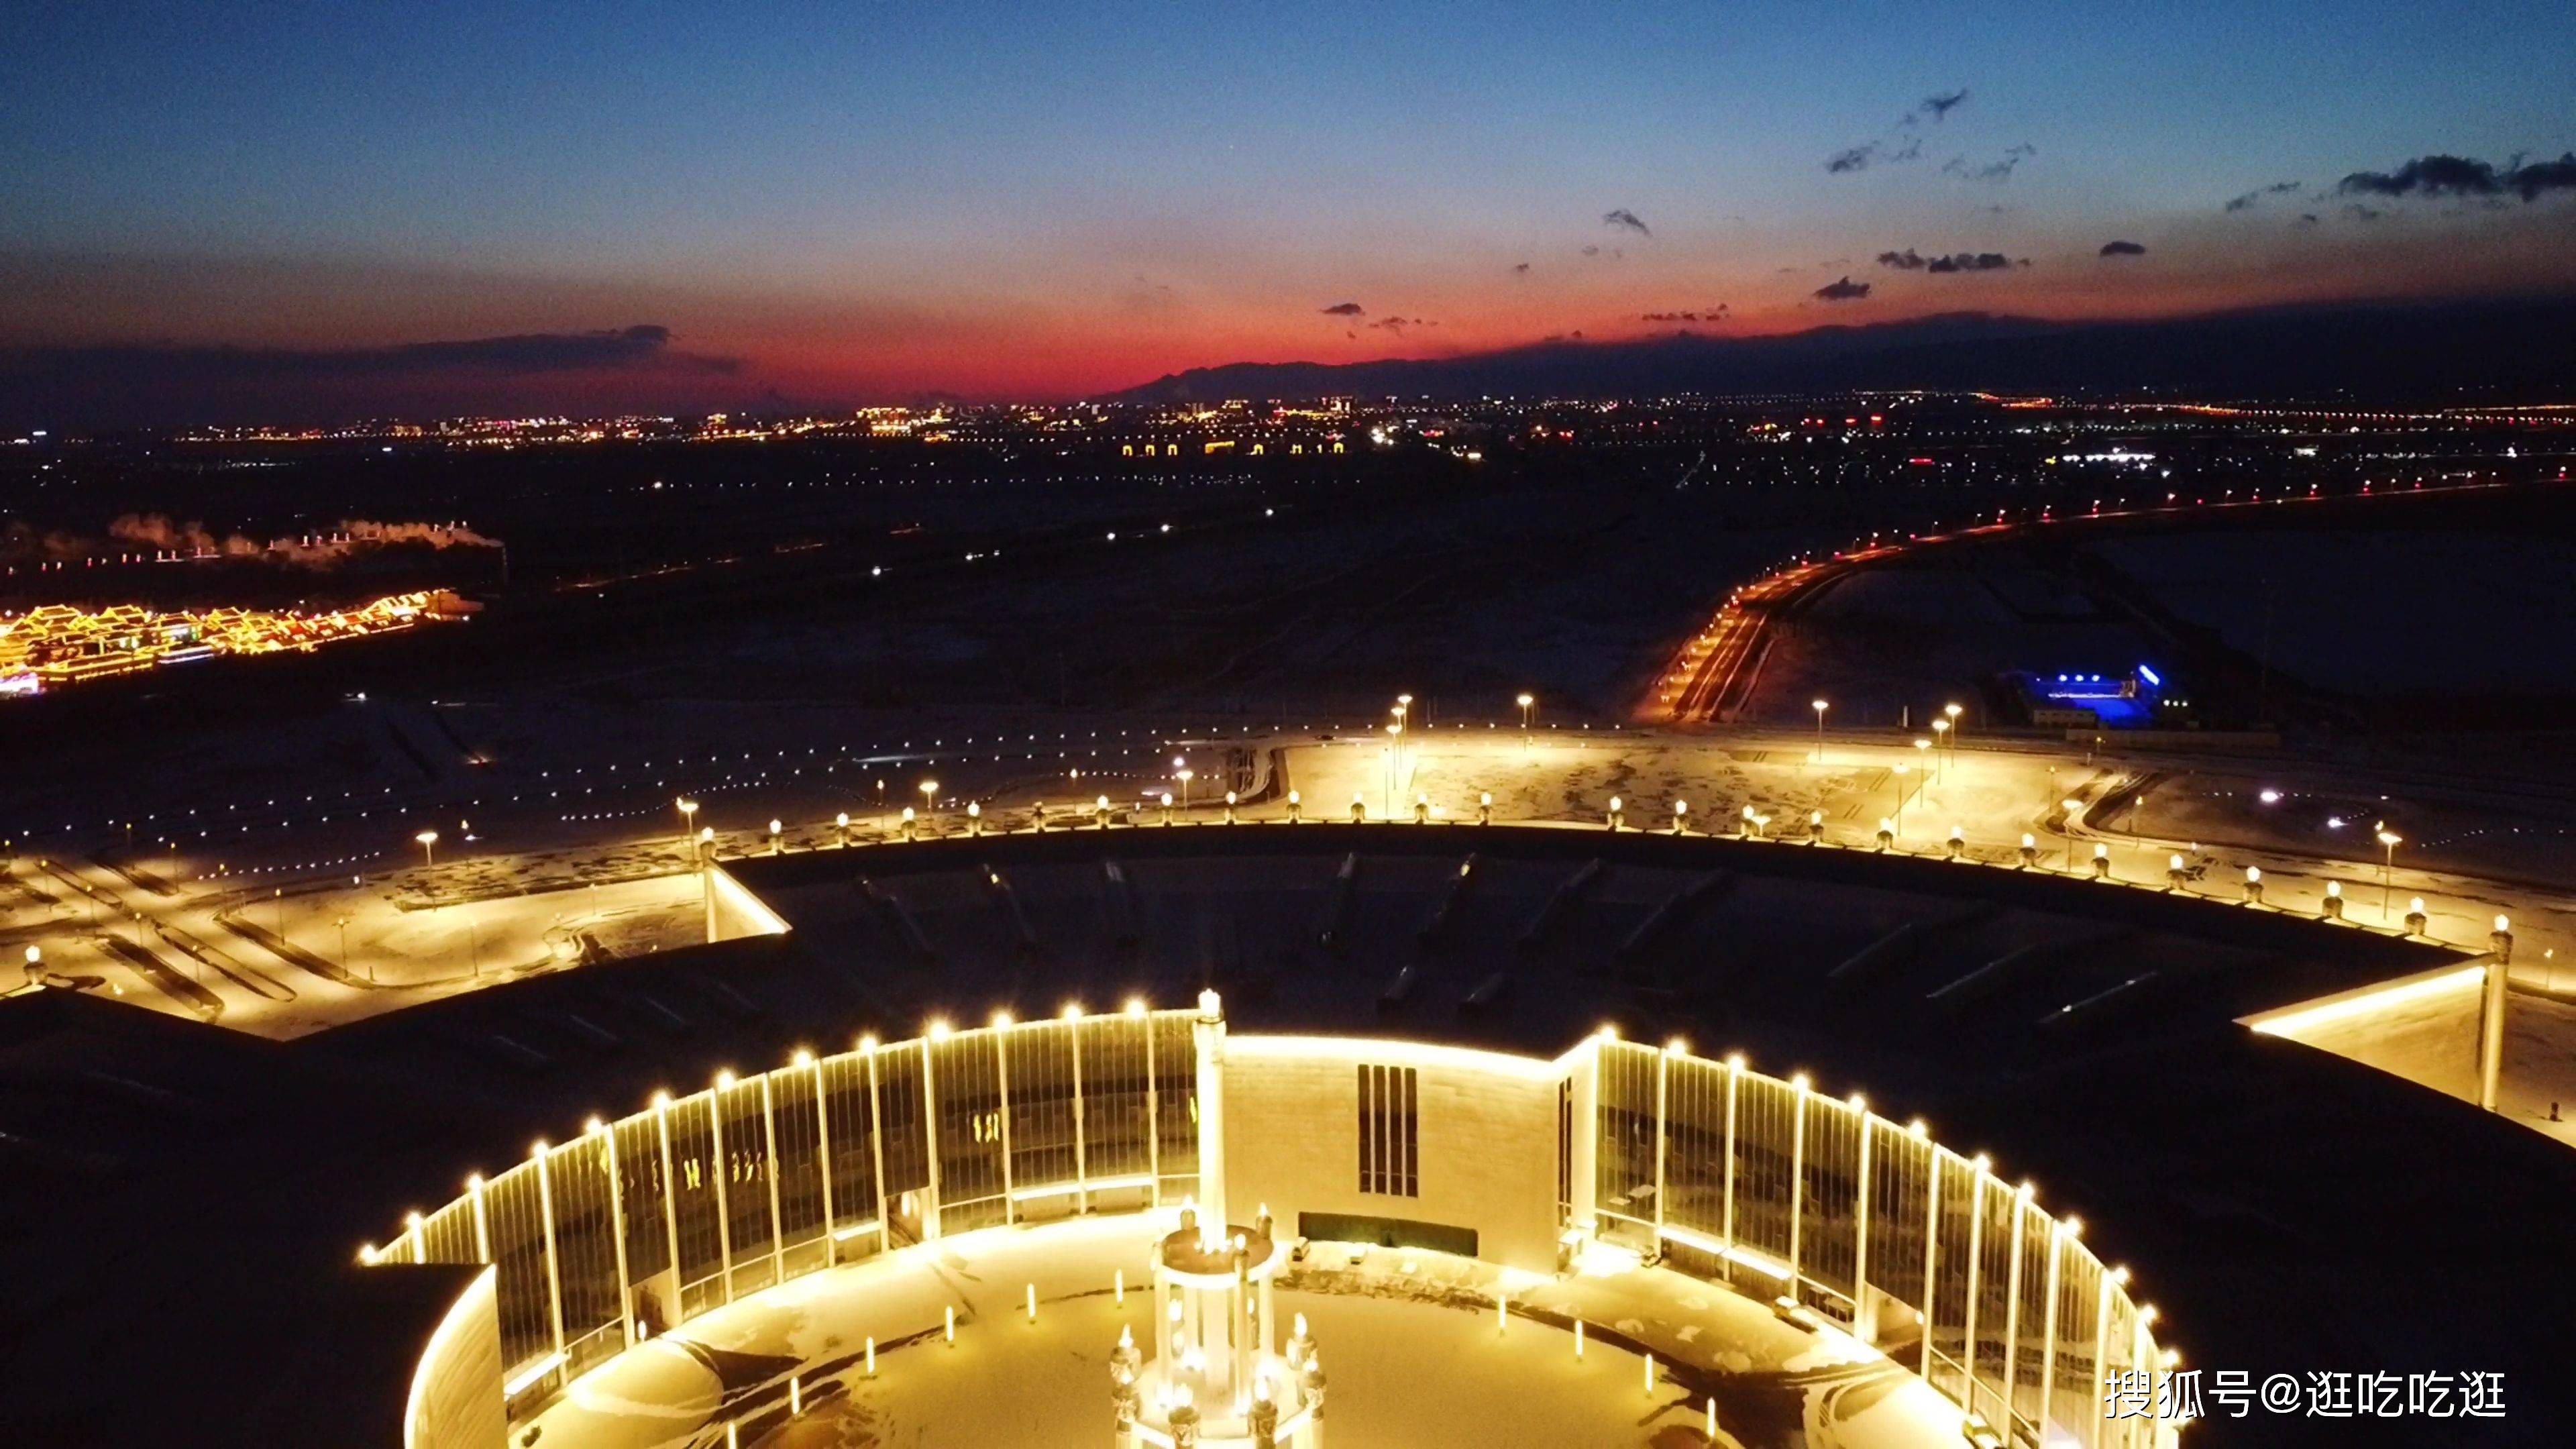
(662, 207)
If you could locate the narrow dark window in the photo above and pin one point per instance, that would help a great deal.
(1390, 1147)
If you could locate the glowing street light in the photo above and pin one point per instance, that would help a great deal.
(1820, 706)
(2389, 840)
(688, 816)
(1526, 701)
(1940, 731)
(1185, 776)
(929, 796)
(428, 847)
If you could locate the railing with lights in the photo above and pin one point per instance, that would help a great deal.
(1812, 1202)
(641, 1224)
(1826, 1207)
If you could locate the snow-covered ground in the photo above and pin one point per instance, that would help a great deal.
(1413, 1348)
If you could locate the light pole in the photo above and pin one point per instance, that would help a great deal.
(2389, 840)
(343, 923)
(1394, 754)
(428, 847)
(1953, 711)
(929, 796)
(1525, 701)
(688, 816)
(1941, 732)
(1900, 799)
(1820, 706)
(2066, 827)
(1185, 776)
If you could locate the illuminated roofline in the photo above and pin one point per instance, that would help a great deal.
(2306, 1016)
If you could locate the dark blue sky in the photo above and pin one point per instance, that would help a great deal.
(849, 201)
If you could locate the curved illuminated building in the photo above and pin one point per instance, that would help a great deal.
(1296, 1135)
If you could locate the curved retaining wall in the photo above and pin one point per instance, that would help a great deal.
(638, 1225)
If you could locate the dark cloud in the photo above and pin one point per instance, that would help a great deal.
(1345, 309)
(1704, 314)
(2307, 218)
(1623, 217)
(1974, 262)
(1940, 264)
(1520, 269)
(2123, 249)
(2246, 201)
(2444, 175)
(1856, 158)
(147, 381)
(1845, 290)
(526, 354)
(1398, 324)
(2530, 180)
(2358, 212)
(1940, 106)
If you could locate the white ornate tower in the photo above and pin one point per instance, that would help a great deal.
(1218, 1378)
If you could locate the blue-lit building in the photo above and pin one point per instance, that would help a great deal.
(2141, 697)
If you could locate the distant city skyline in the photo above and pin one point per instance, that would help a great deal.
(349, 210)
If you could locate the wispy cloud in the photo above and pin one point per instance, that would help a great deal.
(1845, 290)
(2248, 200)
(1934, 108)
(2000, 169)
(1622, 217)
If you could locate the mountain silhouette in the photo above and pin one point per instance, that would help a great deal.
(2414, 351)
